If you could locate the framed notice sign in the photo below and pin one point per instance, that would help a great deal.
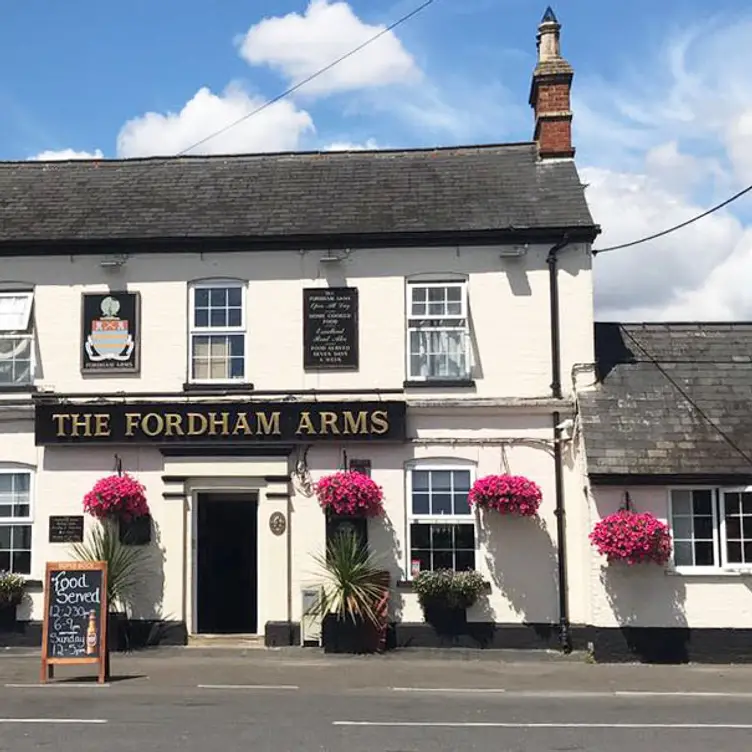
(330, 328)
(110, 332)
(74, 630)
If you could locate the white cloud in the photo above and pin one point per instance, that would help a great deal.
(300, 45)
(65, 154)
(662, 153)
(280, 127)
(370, 144)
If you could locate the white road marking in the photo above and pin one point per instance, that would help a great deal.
(247, 686)
(612, 726)
(77, 685)
(88, 721)
(493, 690)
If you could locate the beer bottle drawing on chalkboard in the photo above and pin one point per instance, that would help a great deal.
(91, 634)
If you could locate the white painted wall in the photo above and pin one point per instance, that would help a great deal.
(654, 596)
(508, 301)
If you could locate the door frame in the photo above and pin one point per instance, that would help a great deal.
(220, 486)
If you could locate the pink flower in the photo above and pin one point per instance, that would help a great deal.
(632, 538)
(507, 494)
(350, 493)
(117, 496)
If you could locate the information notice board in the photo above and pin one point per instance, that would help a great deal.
(330, 328)
(75, 615)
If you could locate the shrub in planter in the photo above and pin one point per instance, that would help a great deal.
(507, 494)
(632, 538)
(12, 589)
(445, 595)
(353, 597)
(350, 493)
(119, 497)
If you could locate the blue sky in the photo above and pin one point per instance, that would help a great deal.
(662, 124)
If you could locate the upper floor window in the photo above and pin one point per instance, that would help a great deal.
(16, 339)
(438, 337)
(442, 527)
(711, 528)
(217, 331)
(15, 521)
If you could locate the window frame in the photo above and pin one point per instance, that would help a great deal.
(462, 285)
(225, 330)
(437, 519)
(720, 565)
(25, 333)
(29, 519)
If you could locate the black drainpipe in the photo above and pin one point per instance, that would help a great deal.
(565, 637)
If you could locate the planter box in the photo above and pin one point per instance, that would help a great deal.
(447, 621)
(8, 618)
(117, 631)
(346, 636)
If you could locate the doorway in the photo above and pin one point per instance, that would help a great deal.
(226, 563)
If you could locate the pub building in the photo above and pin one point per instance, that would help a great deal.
(228, 330)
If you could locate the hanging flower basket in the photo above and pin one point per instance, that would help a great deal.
(632, 538)
(119, 497)
(351, 494)
(507, 494)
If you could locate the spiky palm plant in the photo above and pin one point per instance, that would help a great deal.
(123, 562)
(353, 583)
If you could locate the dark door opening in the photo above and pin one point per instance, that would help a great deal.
(226, 566)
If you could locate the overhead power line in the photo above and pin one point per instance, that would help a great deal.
(308, 79)
(660, 234)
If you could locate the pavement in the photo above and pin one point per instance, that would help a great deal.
(294, 699)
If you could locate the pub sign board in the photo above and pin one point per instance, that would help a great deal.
(330, 328)
(110, 333)
(219, 422)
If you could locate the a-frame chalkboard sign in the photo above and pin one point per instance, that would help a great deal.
(75, 616)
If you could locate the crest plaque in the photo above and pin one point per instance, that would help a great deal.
(110, 333)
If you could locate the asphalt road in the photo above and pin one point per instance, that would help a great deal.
(191, 702)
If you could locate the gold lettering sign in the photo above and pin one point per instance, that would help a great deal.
(251, 422)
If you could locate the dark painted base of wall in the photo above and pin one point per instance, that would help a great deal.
(670, 645)
(137, 634)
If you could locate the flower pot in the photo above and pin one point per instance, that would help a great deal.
(348, 636)
(447, 620)
(8, 617)
(117, 631)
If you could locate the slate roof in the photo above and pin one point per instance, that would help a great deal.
(302, 194)
(636, 422)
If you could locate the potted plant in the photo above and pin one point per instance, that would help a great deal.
(349, 493)
(445, 595)
(353, 598)
(632, 538)
(12, 588)
(123, 573)
(506, 494)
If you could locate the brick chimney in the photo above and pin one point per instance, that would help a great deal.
(550, 93)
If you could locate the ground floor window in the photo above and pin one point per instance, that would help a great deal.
(441, 525)
(15, 521)
(711, 527)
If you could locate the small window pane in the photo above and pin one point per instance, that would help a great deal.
(461, 480)
(441, 504)
(748, 552)
(234, 317)
(747, 503)
(441, 480)
(420, 480)
(421, 503)
(201, 297)
(420, 536)
(461, 504)
(217, 297)
(733, 527)
(21, 562)
(704, 554)
(734, 552)
(443, 537)
(443, 560)
(704, 528)
(436, 294)
(702, 502)
(237, 368)
(465, 537)
(235, 296)
(5, 536)
(732, 504)
(682, 527)
(454, 294)
(747, 527)
(217, 317)
(681, 502)
(201, 317)
(683, 554)
(465, 560)
(237, 345)
(22, 536)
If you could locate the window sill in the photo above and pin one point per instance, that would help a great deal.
(32, 584)
(440, 384)
(226, 387)
(408, 586)
(691, 572)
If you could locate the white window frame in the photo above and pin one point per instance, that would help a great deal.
(437, 519)
(24, 332)
(720, 565)
(193, 330)
(465, 329)
(29, 519)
